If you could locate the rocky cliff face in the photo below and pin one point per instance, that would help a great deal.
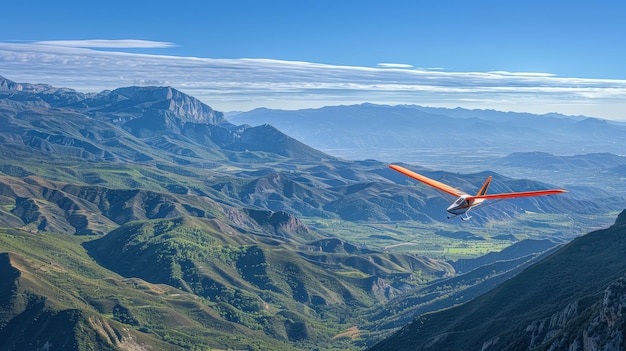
(135, 101)
(7, 85)
(280, 222)
(600, 327)
(185, 107)
(606, 330)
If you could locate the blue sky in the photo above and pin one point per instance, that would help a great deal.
(533, 56)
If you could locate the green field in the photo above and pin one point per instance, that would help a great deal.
(423, 239)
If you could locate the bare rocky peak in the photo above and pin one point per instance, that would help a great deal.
(9, 85)
(188, 108)
(175, 102)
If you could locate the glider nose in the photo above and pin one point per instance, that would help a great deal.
(460, 206)
(450, 208)
(455, 210)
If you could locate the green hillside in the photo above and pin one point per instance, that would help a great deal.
(54, 293)
(189, 282)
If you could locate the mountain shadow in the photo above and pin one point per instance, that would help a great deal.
(573, 299)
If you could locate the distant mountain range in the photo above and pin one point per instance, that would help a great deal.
(373, 129)
(575, 149)
(140, 217)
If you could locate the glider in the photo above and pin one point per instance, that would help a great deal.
(465, 201)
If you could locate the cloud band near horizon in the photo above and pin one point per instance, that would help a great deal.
(243, 84)
(106, 43)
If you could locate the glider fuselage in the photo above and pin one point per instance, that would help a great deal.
(463, 204)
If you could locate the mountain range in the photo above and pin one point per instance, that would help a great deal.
(412, 132)
(140, 217)
(577, 150)
(162, 136)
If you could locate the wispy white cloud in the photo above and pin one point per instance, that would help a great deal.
(395, 65)
(242, 84)
(107, 43)
(523, 74)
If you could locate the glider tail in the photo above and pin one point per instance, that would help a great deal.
(483, 189)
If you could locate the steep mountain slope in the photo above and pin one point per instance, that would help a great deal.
(518, 250)
(572, 299)
(487, 272)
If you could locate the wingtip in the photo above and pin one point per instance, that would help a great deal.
(396, 168)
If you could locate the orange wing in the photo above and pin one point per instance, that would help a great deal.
(435, 184)
(519, 194)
